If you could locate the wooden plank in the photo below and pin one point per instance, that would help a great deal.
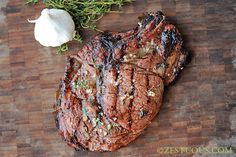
(196, 111)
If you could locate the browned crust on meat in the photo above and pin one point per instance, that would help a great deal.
(113, 87)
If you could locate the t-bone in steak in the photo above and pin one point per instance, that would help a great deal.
(113, 87)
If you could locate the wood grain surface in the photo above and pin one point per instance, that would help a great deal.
(199, 110)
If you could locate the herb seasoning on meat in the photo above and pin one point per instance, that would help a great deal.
(113, 108)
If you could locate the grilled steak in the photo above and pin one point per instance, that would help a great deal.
(113, 87)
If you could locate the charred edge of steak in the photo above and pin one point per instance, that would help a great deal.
(109, 43)
(150, 17)
(188, 56)
(187, 59)
(169, 39)
(56, 120)
(57, 104)
(160, 16)
(148, 87)
(74, 141)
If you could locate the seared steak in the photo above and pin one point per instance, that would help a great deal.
(113, 87)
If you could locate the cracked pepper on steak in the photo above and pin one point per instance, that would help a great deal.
(113, 87)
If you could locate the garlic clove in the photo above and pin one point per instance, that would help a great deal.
(54, 27)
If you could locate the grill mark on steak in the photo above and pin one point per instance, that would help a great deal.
(77, 145)
(110, 62)
(132, 82)
(109, 92)
(99, 86)
(123, 91)
(148, 88)
(131, 94)
(143, 70)
(139, 100)
(117, 84)
(123, 99)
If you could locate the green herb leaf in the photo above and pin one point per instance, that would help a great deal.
(109, 126)
(82, 84)
(141, 53)
(84, 111)
(62, 48)
(99, 121)
(78, 38)
(31, 2)
(100, 113)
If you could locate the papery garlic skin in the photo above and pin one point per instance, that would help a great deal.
(54, 27)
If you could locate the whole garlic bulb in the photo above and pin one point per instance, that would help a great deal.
(54, 27)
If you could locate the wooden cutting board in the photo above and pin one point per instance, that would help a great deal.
(199, 110)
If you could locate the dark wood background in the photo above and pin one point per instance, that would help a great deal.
(199, 110)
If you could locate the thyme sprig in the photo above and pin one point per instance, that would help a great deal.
(85, 13)
(32, 2)
(62, 48)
